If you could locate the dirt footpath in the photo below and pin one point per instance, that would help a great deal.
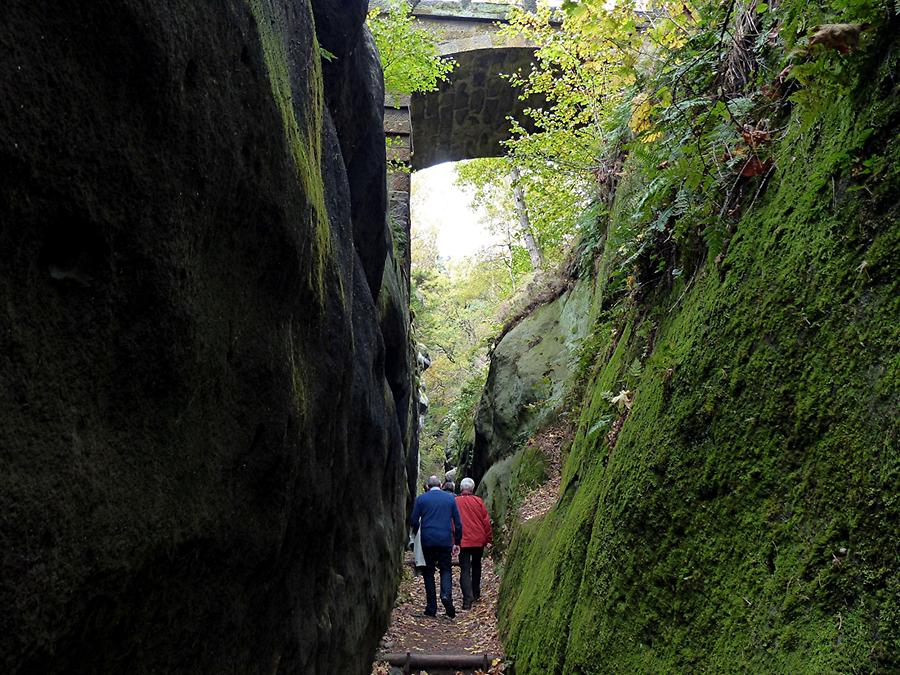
(473, 631)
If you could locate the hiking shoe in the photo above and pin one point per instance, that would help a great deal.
(451, 613)
(431, 614)
(467, 605)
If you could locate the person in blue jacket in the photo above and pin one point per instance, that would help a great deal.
(436, 512)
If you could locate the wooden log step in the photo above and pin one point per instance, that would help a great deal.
(414, 661)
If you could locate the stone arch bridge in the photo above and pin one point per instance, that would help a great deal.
(467, 116)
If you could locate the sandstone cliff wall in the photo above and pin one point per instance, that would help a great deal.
(204, 417)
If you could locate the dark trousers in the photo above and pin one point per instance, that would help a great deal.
(438, 556)
(470, 573)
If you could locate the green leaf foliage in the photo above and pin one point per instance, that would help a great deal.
(409, 54)
(457, 308)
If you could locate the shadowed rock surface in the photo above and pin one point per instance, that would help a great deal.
(204, 436)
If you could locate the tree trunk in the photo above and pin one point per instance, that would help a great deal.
(534, 250)
(509, 246)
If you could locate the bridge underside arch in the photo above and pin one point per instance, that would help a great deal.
(467, 116)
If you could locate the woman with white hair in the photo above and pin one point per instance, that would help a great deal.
(477, 534)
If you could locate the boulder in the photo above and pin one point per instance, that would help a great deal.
(401, 360)
(529, 375)
(338, 24)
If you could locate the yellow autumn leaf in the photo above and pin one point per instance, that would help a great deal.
(640, 115)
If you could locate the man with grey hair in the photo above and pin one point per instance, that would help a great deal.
(436, 513)
(477, 534)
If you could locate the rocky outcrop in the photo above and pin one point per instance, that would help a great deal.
(204, 415)
(530, 373)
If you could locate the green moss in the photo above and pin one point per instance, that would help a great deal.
(746, 517)
(301, 115)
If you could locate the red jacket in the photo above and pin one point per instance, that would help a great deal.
(476, 523)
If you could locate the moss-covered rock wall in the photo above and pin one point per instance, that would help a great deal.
(204, 416)
(743, 515)
(532, 369)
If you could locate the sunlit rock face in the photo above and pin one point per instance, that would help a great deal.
(205, 419)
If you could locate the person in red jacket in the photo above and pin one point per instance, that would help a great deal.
(476, 535)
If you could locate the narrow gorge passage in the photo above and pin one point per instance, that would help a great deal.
(648, 301)
(473, 631)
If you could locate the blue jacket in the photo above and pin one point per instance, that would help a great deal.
(437, 510)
